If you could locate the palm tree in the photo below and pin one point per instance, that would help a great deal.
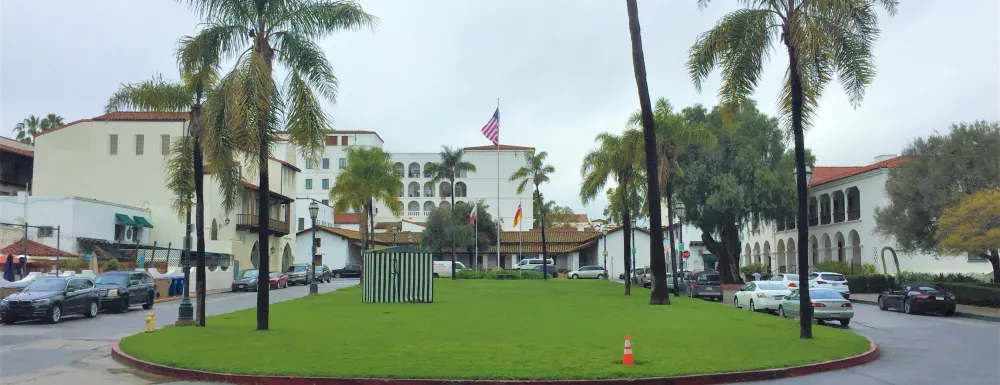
(185, 165)
(537, 210)
(822, 39)
(250, 100)
(368, 178)
(52, 120)
(536, 172)
(27, 129)
(451, 165)
(618, 157)
(657, 261)
(672, 135)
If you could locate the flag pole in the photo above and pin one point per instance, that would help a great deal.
(498, 184)
(520, 234)
(475, 227)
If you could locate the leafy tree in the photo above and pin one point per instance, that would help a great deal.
(822, 39)
(51, 120)
(451, 166)
(973, 226)
(249, 100)
(937, 174)
(616, 157)
(746, 178)
(536, 172)
(485, 226)
(27, 129)
(536, 210)
(440, 234)
(368, 178)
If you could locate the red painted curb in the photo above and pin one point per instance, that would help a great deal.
(702, 379)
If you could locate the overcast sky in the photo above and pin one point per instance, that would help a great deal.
(430, 75)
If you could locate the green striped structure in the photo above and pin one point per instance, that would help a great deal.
(398, 274)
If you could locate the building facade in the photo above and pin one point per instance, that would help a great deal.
(16, 161)
(842, 203)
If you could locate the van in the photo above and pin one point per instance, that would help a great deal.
(530, 263)
(705, 284)
(443, 268)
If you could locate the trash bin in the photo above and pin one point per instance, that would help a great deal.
(398, 274)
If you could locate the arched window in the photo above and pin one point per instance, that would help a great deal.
(286, 258)
(445, 204)
(427, 173)
(413, 190)
(429, 190)
(254, 258)
(460, 189)
(428, 208)
(214, 232)
(413, 209)
(414, 171)
(399, 169)
(445, 190)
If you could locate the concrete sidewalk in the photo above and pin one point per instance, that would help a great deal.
(966, 311)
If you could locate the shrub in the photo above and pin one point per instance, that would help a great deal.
(833, 267)
(71, 264)
(869, 283)
(495, 274)
(751, 268)
(865, 269)
(112, 265)
(976, 294)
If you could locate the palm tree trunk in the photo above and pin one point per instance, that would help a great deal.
(371, 224)
(453, 256)
(263, 199)
(673, 254)
(199, 213)
(627, 227)
(657, 260)
(545, 250)
(805, 319)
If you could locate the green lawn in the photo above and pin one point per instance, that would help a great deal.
(554, 329)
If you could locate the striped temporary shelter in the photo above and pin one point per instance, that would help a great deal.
(398, 274)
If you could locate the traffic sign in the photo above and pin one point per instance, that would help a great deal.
(686, 254)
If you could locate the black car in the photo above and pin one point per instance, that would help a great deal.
(350, 270)
(246, 281)
(121, 289)
(551, 269)
(323, 273)
(50, 299)
(918, 298)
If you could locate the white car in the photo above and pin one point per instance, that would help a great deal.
(591, 271)
(827, 305)
(530, 263)
(791, 281)
(761, 296)
(443, 268)
(832, 281)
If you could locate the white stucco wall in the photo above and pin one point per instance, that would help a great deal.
(75, 217)
(333, 248)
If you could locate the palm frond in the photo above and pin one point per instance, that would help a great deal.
(305, 120)
(155, 94)
(220, 149)
(180, 175)
(740, 44)
(222, 10)
(319, 18)
(303, 56)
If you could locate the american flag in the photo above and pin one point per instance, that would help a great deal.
(492, 128)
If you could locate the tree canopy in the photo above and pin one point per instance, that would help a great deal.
(438, 229)
(973, 226)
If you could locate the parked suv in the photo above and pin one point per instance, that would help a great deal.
(705, 284)
(323, 274)
(349, 270)
(121, 289)
(530, 263)
(50, 299)
(832, 281)
(298, 274)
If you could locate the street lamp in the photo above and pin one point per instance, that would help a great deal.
(313, 213)
(604, 234)
(392, 230)
(633, 246)
(679, 210)
(805, 303)
(185, 312)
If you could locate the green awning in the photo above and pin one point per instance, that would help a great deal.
(143, 222)
(125, 220)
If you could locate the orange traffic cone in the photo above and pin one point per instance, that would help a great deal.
(627, 359)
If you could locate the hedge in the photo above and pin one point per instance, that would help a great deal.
(869, 283)
(495, 274)
(966, 293)
(976, 294)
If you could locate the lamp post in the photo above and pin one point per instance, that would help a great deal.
(633, 246)
(604, 234)
(805, 304)
(679, 210)
(392, 230)
(313, 213)
(185, 312)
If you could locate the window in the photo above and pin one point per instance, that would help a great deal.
(326, 202)
(331, 140)
(343, 140)
(140, 144)
(309, 184)
(309, 164)
(326, 163)
(833, 277)
(342, 162)
(302, 224)
(113, 144)
(318, 243)
(326, 184)
(164, 144)
(215, 230)
(45, 232)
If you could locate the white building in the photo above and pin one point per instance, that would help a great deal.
(842, 202)
(120, 157)
(15, 166)
(700, 258)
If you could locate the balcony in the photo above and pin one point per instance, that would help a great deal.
(427, 213)
(838, 217)
(413, 213)
(813, 221)
(248, 222)
(853, 215)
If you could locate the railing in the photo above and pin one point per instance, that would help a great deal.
(427, 213)
(853, 215)
(414, 194)
(838, 217)
(428, 194)
(825, 220)
(813, 221)
(413, 213)
(428, 176)
(249, 222)
(414, 174)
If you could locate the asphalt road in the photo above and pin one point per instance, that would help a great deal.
(78, 349)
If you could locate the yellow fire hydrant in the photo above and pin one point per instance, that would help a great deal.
(150, 322)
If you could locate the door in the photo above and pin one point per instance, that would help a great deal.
(743, 296)
(792, 305)
(136, 294)
(75, 296)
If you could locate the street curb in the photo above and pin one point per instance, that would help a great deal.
(179, 297)
(703, 379)
(980, 317)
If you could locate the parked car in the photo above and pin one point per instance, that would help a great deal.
(761, 295)
(121, 289)
(549, 268)
(833, 281)
(683, 279)
(827, 305)
(323, 273)
(298, 274)
(247, 280)
(918, 298)
(530, 263)
(705, 284)
(50, 299)
(443, 268)
(349, 270)
(589, 271)
(277, 280)
(791, 281)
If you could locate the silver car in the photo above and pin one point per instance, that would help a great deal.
(827, 305)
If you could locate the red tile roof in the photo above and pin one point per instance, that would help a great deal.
(75, 122)
(18, 151)
(336, 132)
(582, 218)
(502, 147)
(35, 249)
(346, 218)
(273, 194)
(289, 165)
(823, 174)
(421, 224)
(127, 116)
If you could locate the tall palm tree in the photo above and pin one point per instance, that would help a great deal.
(250, 100)
(450, 166)
(617, 157)
(822, 39)
(657, 261)
(185, 165)
(368, 178)
(536, 172)
(51, 120)
(27, 129)
(673, 134)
